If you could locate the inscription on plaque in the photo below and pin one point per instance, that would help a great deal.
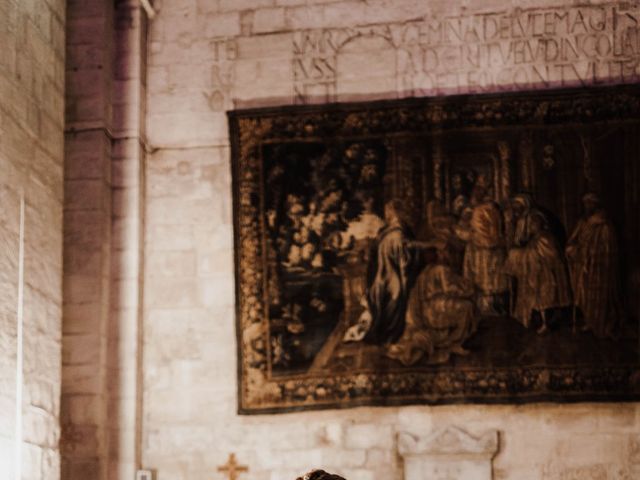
(314, 66)
(532, 48)
(561, 46)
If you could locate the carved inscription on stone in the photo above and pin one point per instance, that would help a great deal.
(225, 52)
(590, 472)
(315, 57)
(314, 66)
(562, 46)
(578, 45)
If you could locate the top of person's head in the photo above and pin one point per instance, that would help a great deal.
(320, 475)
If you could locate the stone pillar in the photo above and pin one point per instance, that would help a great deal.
(103, 241)
(124, 352)
(449, 454)
(87, 234)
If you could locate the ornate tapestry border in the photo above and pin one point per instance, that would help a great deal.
(259, 393)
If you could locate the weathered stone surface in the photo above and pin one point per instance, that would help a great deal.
(241, 53)
(367, 436)
(448, 454)
(103, 238)
(206, 57)
(31, 167)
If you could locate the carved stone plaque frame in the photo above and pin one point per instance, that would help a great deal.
(551, 139)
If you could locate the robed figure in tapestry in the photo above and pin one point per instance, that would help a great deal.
(393, 271)
(593, 257)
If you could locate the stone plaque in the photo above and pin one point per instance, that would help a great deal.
(450, 454)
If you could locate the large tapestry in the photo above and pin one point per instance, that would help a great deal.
(440, 250)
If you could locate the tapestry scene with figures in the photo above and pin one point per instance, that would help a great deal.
(443, 250)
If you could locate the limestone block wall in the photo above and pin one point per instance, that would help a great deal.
(206, 57)
(87, 245)
(31, 173)
(104, 153)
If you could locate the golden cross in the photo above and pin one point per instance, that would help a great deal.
(232, 469)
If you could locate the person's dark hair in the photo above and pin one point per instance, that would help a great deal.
(320, 475)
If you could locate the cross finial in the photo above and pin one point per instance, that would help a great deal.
(232, 468)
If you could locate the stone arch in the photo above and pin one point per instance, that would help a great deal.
(365, 68)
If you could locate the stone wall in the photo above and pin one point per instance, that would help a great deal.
(206, 57)
(103, 191)
(87, 245)
(31, 170)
